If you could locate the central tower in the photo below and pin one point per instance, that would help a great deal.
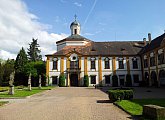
(75, 27)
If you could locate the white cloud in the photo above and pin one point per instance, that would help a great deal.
(77, 4)
(17, 28)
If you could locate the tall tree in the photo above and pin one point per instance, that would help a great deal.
(21, 60)
(33, 51)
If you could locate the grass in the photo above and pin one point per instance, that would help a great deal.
(3, 102)
(135, 107)
(24, 92)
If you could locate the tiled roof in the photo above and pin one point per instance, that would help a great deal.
(105, 48)
(74, 37)
(155, 43)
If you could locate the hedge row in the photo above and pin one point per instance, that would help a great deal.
(115, 95)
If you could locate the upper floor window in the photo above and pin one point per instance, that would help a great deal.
(93, 64)
(135, 63)
(145, 63)
(107, 65)
(74, 64)
(152, 61)
(55, 62)
(121, 63)
(161, 58)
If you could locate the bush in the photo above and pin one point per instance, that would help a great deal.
(115, 95)
(86, 80)
(128, 82)
(114, 81)
(62, 80)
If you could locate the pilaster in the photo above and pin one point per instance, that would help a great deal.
(128, 65)
(62, 65)
(85, 66)
(114, 65)
(100, 70)
(47, 66)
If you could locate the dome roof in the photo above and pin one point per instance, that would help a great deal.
(74, 23)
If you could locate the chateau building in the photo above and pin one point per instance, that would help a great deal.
(77, 56)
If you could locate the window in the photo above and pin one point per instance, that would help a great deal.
(54, 80)
(135, 64)
(161, 58)
(93, 79)
(93, 65)
(121, 65)
(136, 78)
(55, 65)
(75, 31)
(145, 63)
(107, 79)
(152, 61)
(107, 66)
(74, 64)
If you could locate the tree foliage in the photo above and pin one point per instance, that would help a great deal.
(21, 60)
(33, 51)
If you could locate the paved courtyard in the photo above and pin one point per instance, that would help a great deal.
(70, 103)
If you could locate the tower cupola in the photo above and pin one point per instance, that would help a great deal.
(75, 27)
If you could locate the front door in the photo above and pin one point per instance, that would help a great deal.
(74, 80)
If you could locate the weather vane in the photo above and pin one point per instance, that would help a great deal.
(75, 16)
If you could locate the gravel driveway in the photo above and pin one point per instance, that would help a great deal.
(69, 103)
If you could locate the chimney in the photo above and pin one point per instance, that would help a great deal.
(149, 38)
(144, 41)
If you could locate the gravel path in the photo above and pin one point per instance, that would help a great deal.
(69, 103)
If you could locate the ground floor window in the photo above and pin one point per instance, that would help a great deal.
(93, 79)
(54, 80)
(107, 79)
(136, 78)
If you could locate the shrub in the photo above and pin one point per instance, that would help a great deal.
(128, 80)
(3, 89)
(114, 81)
(117, 94)
(128, 94)
(86, 80)
(62, 80)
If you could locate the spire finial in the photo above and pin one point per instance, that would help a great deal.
(75, 16)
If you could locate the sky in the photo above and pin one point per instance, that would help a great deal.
(101, 20)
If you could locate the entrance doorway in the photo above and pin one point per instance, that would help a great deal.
(74, 79)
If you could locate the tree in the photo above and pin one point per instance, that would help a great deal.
(1, 73)
(21, 60)
(8, 69)
(33, 51)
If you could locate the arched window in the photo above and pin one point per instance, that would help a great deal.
(93, 64)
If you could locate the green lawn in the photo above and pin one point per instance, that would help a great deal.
(3, 102)
(24, 92)
(135, 107)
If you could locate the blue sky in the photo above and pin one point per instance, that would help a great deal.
(102, 20)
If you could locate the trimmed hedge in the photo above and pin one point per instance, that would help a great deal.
(86, 80)
(62, 80)
(115, 95)
(114, 81)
